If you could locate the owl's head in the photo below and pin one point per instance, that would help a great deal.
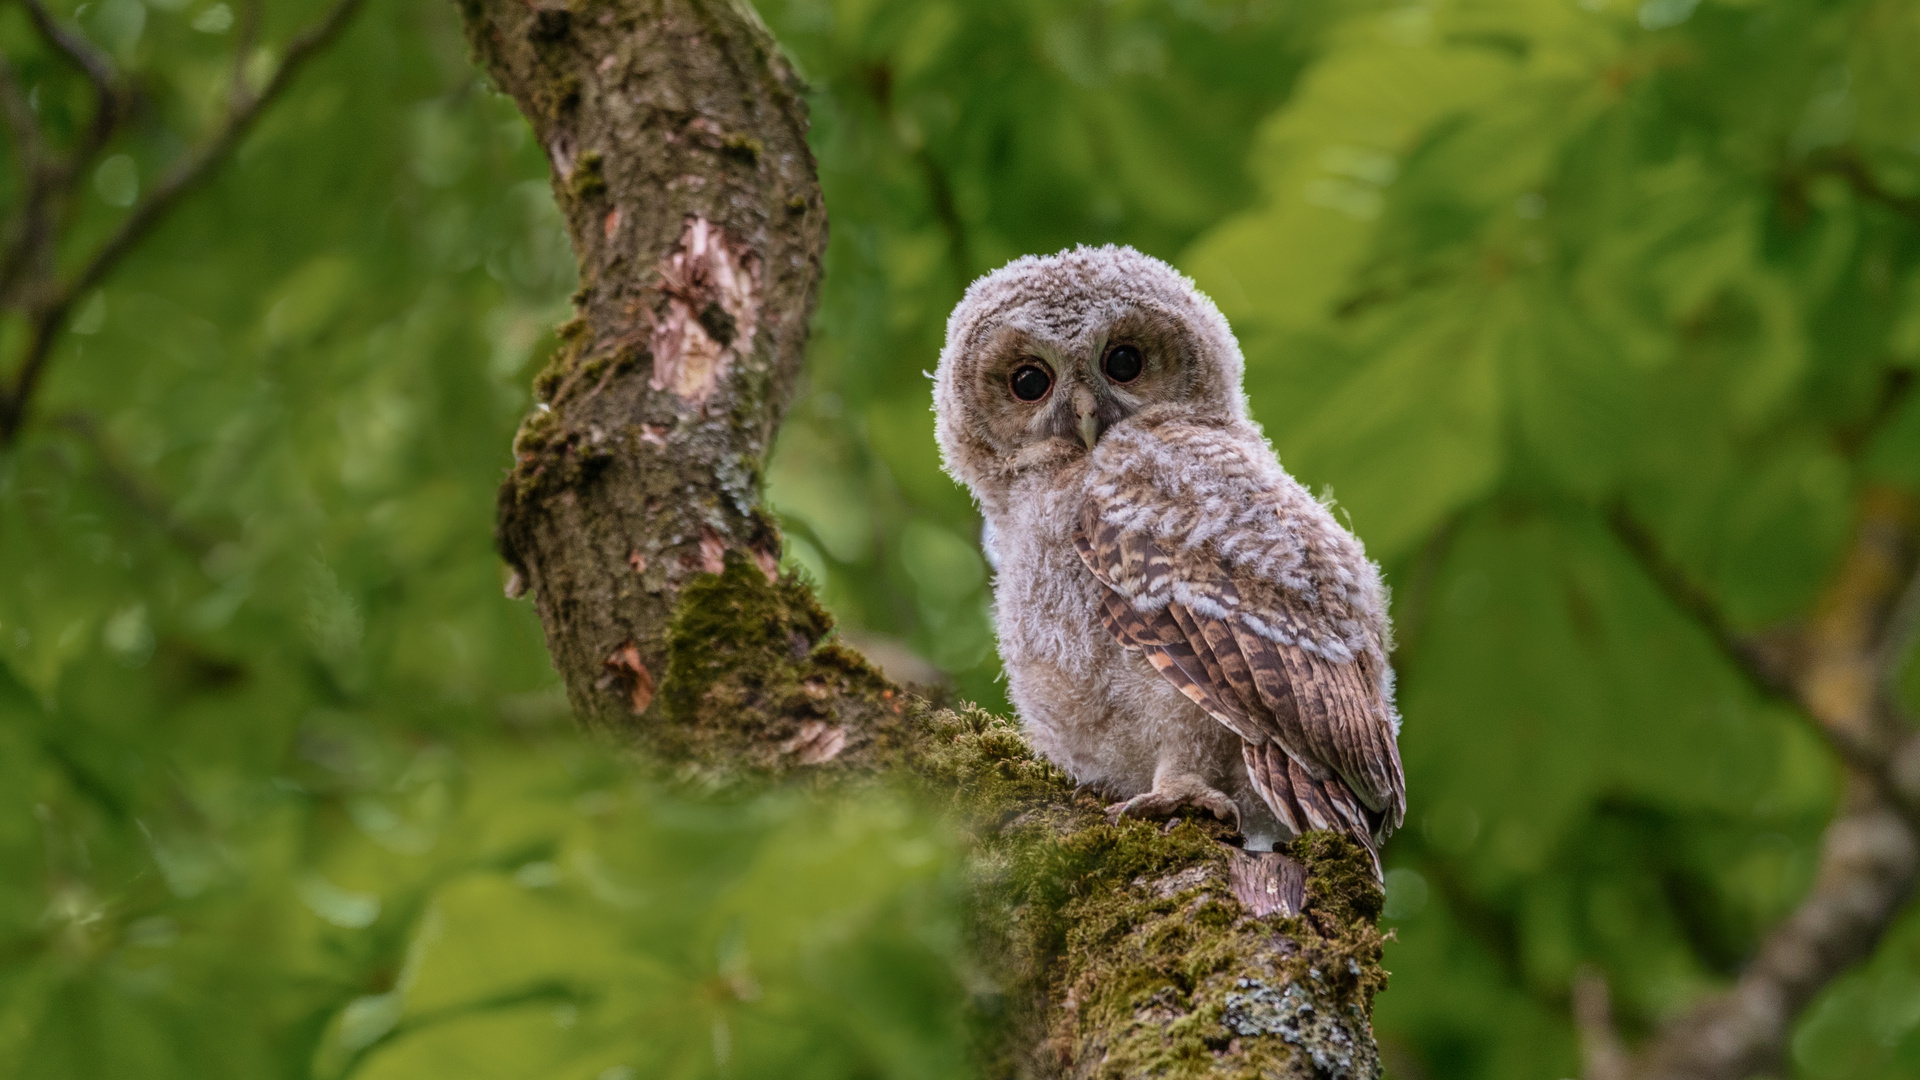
(1046, 353)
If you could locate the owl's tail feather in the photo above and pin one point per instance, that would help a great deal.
(1303, 804)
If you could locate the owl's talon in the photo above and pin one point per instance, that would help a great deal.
(1167, 801)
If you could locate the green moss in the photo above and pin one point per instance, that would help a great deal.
(749, 663)
(1132, 930)
(548, 453)
(1340, 880)
(589, 177)
(536, 432)
(742, 148)
(1340, 941)
(574, 335)
(474, 21)
(554, 97)
(985, 761)
(734, 621)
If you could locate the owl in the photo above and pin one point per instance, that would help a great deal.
(1182, 624)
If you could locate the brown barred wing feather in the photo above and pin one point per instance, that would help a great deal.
(1319, 746)
(1168, 648)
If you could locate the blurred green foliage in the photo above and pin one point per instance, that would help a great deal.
(286, 785)
(1517, 267)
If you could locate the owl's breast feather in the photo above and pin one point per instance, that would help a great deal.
(1045, 599)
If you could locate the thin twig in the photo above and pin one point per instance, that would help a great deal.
(1853, 742)
(946, 209)
(22, 125)
(1765, 674)
(1849, 166)
(198, 164)
(93, 62)
(939, 188)
(1896, 384)
(138, 493)
(29, 226)
(1413, 602)
(28, 154)
(87, 56)
(187, 173)
(244, 37)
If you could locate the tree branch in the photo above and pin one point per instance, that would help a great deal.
(940, 199)
(1828, 673)
(1849, 166)
(194, 168)
(676, 133)
(1833, 671)
(246, 33)
(1868, 863)
(21, 125)
(1896, 645)
(1603, 1056)
(187, 173)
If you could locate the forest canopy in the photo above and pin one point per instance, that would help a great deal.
(1558, 303)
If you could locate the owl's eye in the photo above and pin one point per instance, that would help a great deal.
(1030, 382)
(1123, 363)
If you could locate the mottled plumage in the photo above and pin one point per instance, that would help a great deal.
(1181, 622)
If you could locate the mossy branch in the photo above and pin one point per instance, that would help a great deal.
(676, 135)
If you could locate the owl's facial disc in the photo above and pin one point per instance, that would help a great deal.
(1049, 388)
(1048, 353)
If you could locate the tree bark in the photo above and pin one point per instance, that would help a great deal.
(676, 135)
(677, 138)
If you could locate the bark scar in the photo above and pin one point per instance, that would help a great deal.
(713, 551)
(713, 302)
(769, 564)
(625, 663)
(1266, 882)
(817, 742)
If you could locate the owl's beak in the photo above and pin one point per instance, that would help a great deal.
(1083, 408)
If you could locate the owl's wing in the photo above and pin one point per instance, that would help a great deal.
(1319, 743)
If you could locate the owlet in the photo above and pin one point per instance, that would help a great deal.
(1181, 622)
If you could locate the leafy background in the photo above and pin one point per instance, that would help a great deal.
(287, 787)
